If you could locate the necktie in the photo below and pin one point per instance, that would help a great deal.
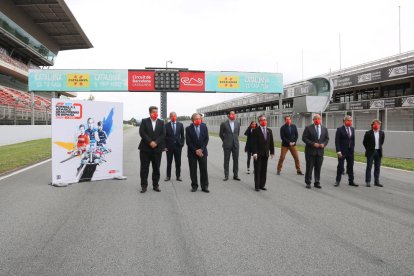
(198, 132)
(264, 133)
(349, 132)
(317, 132)
(174, 128)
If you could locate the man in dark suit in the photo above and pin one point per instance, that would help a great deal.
(262, 141)
(289, 136)
(174, 142)
(315, 137)
(152, 144)
(373, 141)
(345, 144)
(196, 136)
(229, 134)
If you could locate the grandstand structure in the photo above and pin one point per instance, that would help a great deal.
(32, 32)
(381, 89)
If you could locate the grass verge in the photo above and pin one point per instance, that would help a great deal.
(397, 163)
(13, 157)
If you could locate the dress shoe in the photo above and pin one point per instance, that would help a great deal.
(167, 178)
(225, 178)
(257, 190)
(236, 178)
(378, 185)
(308, 186)
(278, 172)
(179, 178)
(156, 189)
(299, 173)
(194, 190)
(368, 184)
(318, 186)
(264, 189)
(336, 184)
(353, 184)
(205, 190)
(143, 190)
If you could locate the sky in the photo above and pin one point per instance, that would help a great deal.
(233, 35)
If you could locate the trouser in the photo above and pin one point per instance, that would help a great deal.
(349, 167)
(176, 154)
(295, 154)
(155, 159)
(313, 163)
(249, 155)
(376, 159)
(260, 171)
(202, 163)
(235, 153)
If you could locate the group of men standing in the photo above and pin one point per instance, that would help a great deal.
(157, 137)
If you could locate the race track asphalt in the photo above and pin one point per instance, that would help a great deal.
(109, 228)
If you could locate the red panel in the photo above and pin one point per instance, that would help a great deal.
(192, 81)
(141, 81)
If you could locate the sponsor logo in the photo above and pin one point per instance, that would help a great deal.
(78, 80)
(364, 77)
(68, 110)
(377, 104)
(408, 101)
(192, 81)
(397, 71)
(229, 82)
(112, 171)
(141, 81)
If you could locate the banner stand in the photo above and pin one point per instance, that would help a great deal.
(87, 141)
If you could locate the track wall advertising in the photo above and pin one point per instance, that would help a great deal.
(87, 141)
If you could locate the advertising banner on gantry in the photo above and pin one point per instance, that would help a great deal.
(78, 80)
(87, 141)
(242, 82)
(159, 80)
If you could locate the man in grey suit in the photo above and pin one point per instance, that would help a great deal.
(229, 134)
(316, 137)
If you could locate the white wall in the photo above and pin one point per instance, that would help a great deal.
(18, 134)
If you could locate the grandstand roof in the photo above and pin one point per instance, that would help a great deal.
(55, 18)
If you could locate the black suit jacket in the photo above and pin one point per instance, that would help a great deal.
(287, 137)
(194, 143)
(148, 134)
(310, 137)
(172, 141)
(249, 140)
(260, 146)
(369, 142)
(343, 142)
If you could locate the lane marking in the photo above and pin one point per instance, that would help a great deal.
(25, 169)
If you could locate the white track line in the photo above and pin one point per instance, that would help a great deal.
(25, 169)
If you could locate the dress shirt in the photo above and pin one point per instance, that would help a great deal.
(318, 131)
(377, 144)
(231, 126)
(153, 124)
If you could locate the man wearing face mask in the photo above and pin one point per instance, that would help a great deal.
(174, 142)
(289, 136)
(152, 144)
(262, 141)
(345, 144)
(315, 137)
(196, 137)
(373, 141)
(229, 134)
